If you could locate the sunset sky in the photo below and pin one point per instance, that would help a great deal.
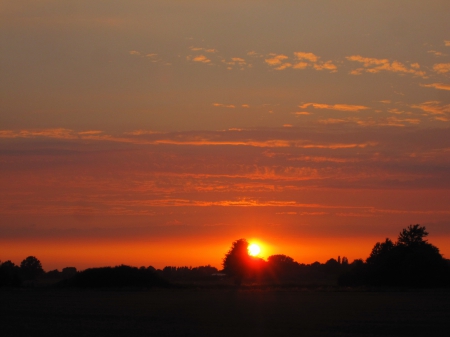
(158, 132)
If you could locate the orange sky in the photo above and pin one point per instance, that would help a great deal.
(157, 133)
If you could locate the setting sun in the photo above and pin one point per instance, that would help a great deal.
(254, 249)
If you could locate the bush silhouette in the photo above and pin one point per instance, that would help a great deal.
(119, 276)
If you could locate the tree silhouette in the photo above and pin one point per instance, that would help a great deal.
(412, 235)
(411, 261)
(236, 262)
(9, 274)
(31, 268)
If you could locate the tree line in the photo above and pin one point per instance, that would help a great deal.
(409, 261)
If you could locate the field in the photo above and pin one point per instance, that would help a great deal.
(224, 312)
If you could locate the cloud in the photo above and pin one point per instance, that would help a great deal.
(306, 56)
(199, 58)
(276, 60)
(302, 113)
(339, 107)
(374, 65)
(207, 50)
(232, 106)
(135, 53)
(436, 53)
(325, 66)
(333, 121)
(305, 60)
(441, 68)
(300, 65)
(254, 54)
(433, 108)
(395, 121)
(440, 86)
(447, 43)
(284, 66)
(59, 133)
(236, 61)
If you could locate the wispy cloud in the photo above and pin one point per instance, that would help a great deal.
(339, 107)
(219, 138)
(333, 121)
(199, 58)
(441, 68)
(304, 60)
(207, 50)
(301, 60)
(236, 61)
(325, 66)
(306, 56)
(232, 106)
(435, 109)
(447, 43)
(395, 121)
(374, 65)
(436, 53)
(277, 61)
(441, 86)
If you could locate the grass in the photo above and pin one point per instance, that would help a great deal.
(224, 312)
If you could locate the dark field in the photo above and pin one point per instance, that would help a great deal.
(223, 312)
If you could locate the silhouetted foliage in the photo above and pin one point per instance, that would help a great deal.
(412, 235)
(9, 274)
(411, 261)
(282, 268)
(181, 274)
(236, 261)
(69, 272)
(119, 276)
(239, 264)
(31, 268)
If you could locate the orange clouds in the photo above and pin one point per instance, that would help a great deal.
(306, 56)
(277, 61)
(200, 58)
(232, 106)
(302, 60)
(339, 107)
(433, 108)
(441, 86)
(442, 68)
(374, 65)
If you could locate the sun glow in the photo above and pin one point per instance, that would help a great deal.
(254, 249)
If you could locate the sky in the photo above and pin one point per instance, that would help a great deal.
(159, 132)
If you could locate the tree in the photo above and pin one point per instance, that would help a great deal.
(412, 235)
(281, 267)
(236, 262)
(9, 274)
(31, 268)
(380, 251)
(411, 261)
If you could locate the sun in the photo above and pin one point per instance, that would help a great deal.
(254, 249)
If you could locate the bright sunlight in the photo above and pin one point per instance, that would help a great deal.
(254, 249)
